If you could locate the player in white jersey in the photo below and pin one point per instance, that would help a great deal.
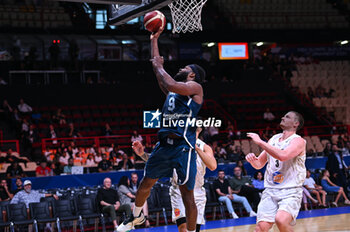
(205, 158)
(284, 176)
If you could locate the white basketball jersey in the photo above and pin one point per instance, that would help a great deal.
(287, 174)
(200, 166)
(200, 169)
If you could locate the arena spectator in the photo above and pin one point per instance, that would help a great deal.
(238, 153)
(93, 150)
(72, 131)
(108, 201)
(98, 157)
(240, 164)
(225, 194)
(90, 161)
(24, 107)
(6, 108)
(68, 168)
(136, 137)
(126, 197)
(5, 194)
(105, 165)
(134, 185)
(268, 115)
(306, 195)
(330, 187)
(43, 169)
(107, 130)
(337, 167)
(14, 170)
(52, 134)
(220, 154)
(64, 158)
(33, 134)
(315, 189)
(346, 149)
(78, 159)
(59, 117)
(28, 195)
(25, 125)
(11, 157)
(214, 133)
(258, 181)
(19, 185)
(242, 186)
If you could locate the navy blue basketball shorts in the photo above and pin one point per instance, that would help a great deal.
(170, 154)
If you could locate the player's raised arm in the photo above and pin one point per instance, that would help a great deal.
(207, 156)
(296, 147)
(257, 162)
(165, 81)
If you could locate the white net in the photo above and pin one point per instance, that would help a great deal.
(186, 15)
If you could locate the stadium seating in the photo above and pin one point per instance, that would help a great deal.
(51, 16)
(329, 75)
(282, 14)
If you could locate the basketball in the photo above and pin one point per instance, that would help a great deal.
(154, 21)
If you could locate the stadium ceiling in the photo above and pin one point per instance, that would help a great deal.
(126, 2)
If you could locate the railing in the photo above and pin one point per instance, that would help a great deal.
(123, 140)
(16, 142)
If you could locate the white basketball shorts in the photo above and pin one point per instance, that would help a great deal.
(178, 208)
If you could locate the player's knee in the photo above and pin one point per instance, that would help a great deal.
(281, 222)
(262, 227)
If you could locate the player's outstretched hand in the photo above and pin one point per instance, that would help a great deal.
(255, 137)
(155, 35)
(138, 148)
(251, 157)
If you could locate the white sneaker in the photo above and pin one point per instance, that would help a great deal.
(131, 222)
(347, 202)
(234, 215)
(252, 214)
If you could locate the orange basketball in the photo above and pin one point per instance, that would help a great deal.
(154, 21)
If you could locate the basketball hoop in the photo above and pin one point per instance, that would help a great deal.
(186, 15)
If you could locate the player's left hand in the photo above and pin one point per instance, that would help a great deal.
(155, 35)
(255, 137)
(138, 148)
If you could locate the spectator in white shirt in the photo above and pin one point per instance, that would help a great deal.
(268, 116)
(315, 189)
(64, 159)
(23, 107)
(98, 157)
(90, 161)
(136, 137)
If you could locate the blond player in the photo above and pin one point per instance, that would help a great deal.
(284, 176)
(205, 158)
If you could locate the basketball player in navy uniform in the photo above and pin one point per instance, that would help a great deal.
(175, 151)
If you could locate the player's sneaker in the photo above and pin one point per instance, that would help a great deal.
(252, 214)
(130, 222)
(234, 215)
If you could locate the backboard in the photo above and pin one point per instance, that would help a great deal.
(120, 14)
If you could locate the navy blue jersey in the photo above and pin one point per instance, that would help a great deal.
(178, 117)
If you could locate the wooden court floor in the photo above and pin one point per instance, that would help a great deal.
(332, 219)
